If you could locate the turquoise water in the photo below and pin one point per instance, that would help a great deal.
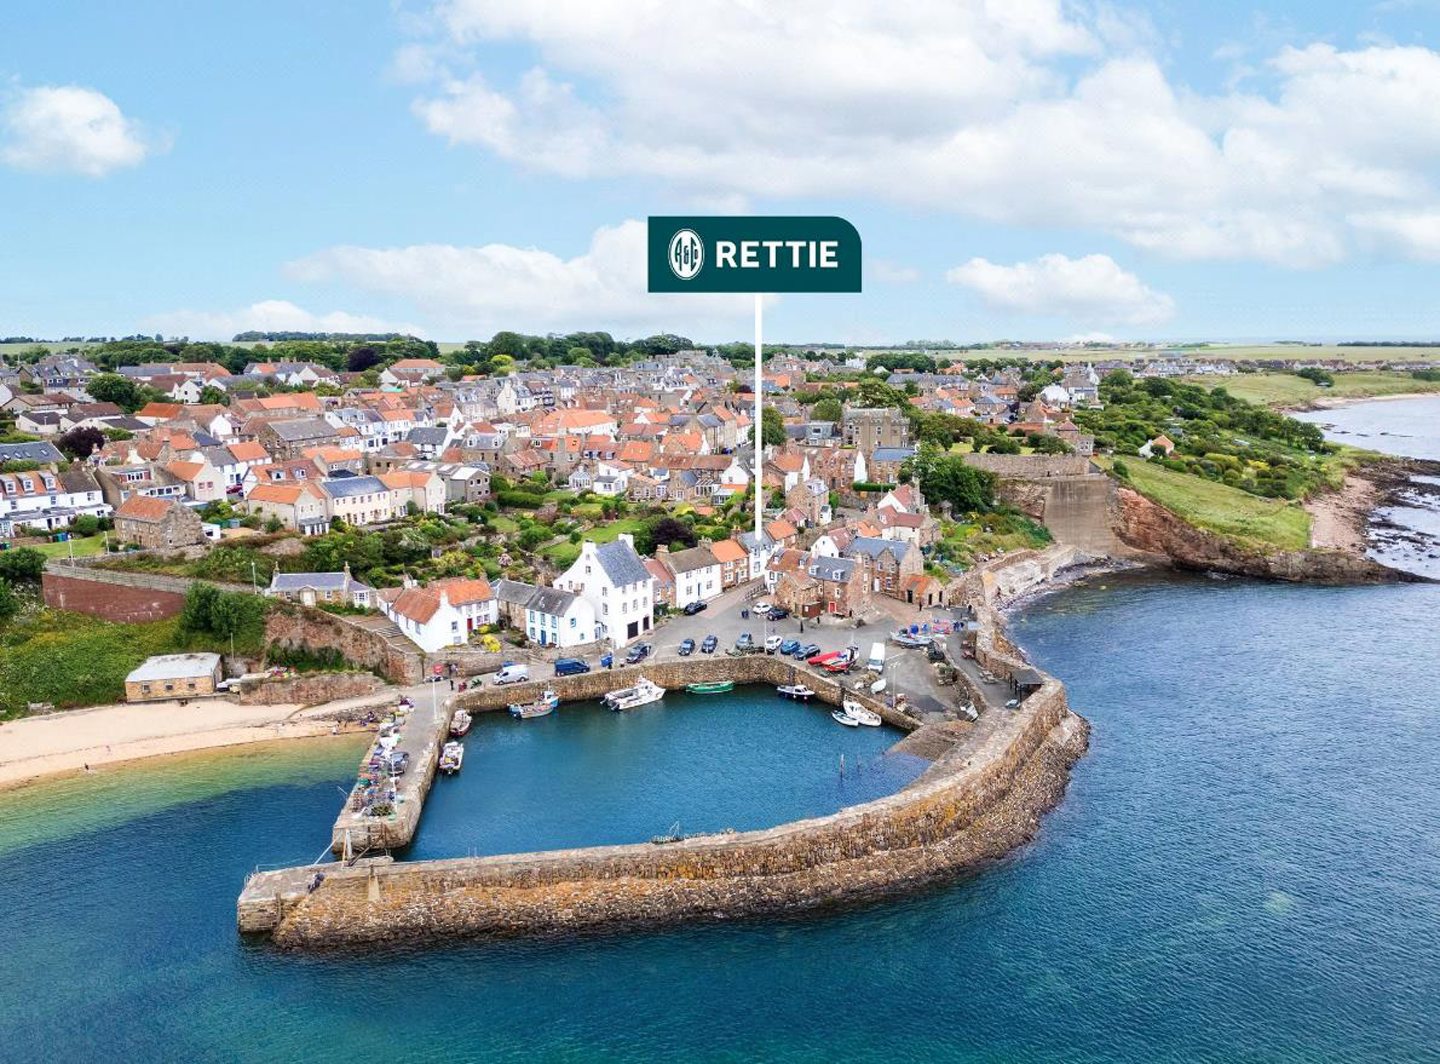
(585, 776)
(1245, 867)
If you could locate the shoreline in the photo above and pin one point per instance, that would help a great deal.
(45, 747)
(1310, 406)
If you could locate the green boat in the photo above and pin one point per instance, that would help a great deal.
(717, 688)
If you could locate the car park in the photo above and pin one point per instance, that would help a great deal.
(638, 653)
(687, 647)
(708, 644)
(694, 608)
(761, 608)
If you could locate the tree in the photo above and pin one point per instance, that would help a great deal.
(827, 409)
(24, 565)
(213, 396)
(362, 358)
(772, 427)
(195, 615)
(80, 442)
(947, 478)
(113, 388)
(670, 531)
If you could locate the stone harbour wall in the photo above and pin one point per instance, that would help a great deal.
(983, 798)
(308, 689)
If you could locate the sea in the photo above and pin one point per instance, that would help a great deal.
(1246, 867)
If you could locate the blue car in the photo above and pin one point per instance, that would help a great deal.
(804, 653)
(709, 645)
(789, 646)
(687, 647)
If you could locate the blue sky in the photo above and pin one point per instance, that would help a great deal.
(1166, 170)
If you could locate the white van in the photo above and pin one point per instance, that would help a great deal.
(512, 674)
(877, 658)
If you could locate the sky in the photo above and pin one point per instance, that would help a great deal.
(1026, 169)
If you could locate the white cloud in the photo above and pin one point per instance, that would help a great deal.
(1089, 289)
(1025, 112)
(268, 315)
(70, 129)
(474, 291)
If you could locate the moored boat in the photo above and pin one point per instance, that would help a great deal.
(460, 723)
(541, 706)
(452, 757)
(839, 716)
(716, 688)
(860, 714)
(795, 690)
(642, 693)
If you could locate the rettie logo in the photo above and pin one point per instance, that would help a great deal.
(687, 254)
(728, 253)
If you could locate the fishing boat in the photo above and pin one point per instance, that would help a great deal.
(839, 716)
(460, 723)
(909, 639)
(641, 694)
(797, 691)
(451, 758)
(543, 705)
(861, 715)
(719, 687)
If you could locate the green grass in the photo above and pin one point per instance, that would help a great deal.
(73, 659)
(611, 532)
(506, 525)
(84, 548)
(1219, 508)
(1288, 390)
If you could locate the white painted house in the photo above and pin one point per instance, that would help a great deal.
(697, 573)
(613, 579)
(556, 618)
(441, 614)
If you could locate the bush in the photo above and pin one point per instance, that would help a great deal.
(1121, 469)
(870, 485)
(520, 500)
(24, 565)
(306, 659)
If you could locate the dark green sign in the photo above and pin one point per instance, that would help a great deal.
(726, 253)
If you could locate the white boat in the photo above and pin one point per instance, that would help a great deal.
(797, 691)
(839, 716)
(877, 686)
(451, 757)
(641, 694)
(860, 714)
(460, 723)
(546, 703)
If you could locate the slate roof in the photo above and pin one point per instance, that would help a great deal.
(892, 454)
(836, 569)
(349, 487)
(551, 600)
(684, 561)
(29, 452)
(515, 592)
(341, 581)
(873, 548)
(621, 564)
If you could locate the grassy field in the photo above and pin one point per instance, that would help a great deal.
(83, 547)
(1288, 390)
(1236, 352)
(1220, 508)
(73, 659)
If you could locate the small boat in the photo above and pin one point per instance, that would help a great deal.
(451, 758)
(877, 686)
(543, 705)
(719, 687)
(460, 723)
(858, 713)
(907, 639)
(839, 716)
(641, 694)
(796, 691)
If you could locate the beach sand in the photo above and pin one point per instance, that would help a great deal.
(67, 742)
(1338, 519)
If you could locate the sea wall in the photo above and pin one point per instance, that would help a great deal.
(1031, 466)
(308, 689)
(986, 801)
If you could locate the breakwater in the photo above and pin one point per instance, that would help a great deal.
(982, 797)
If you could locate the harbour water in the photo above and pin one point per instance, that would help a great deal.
(1246, 867)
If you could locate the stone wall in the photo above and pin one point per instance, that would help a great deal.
(1078, 511)
(394, 657)
(982, 800)
(308, 689)
(1031, 466)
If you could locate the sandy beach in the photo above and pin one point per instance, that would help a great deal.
(1338, 519)
(74, 741)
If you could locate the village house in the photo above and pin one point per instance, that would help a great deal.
(613, 579)
(441, 614)
(162, 524)
(697, 573)
(299, 505)
(49, 498)
(312, 589)
(290, 438)
(887, 563)
(361, 500)
(734, 563)
(556, 618)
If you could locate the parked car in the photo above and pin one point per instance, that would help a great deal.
(935, 652)
(804, 653)
(694, 608)
(687, 647)
(744, 641)
(570, 667)
(761, 608)
(512, 673)
(638, 653)
(789, 647)
(708, 645)
(777, 613)
(773, 643)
